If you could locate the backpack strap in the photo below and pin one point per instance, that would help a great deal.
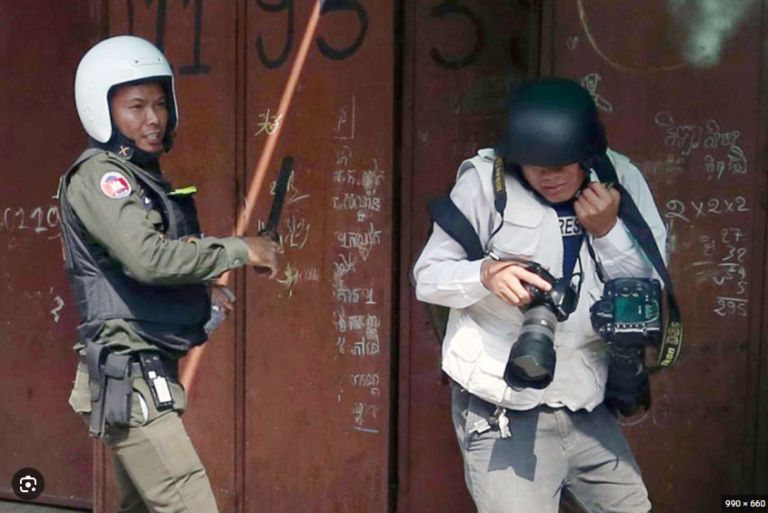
(483, 165)
(444, 212)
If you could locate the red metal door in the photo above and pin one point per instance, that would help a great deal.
(460, 60)
(40, 138)
(319, 338)
(681, 95)
(291, 409)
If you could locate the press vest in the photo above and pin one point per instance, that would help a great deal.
(103, 291)
(478, 338)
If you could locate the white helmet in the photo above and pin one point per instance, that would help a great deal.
(115, 61)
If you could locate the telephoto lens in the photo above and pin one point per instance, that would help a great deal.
(628, 388)
(532, 359)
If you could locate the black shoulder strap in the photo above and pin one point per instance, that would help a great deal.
(447, 215)
(633, 220)
(444, 212)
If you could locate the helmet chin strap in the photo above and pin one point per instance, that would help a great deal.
(125, 148)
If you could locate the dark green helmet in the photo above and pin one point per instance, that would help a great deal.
(552, 122)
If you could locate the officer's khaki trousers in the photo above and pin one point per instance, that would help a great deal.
(156, 467)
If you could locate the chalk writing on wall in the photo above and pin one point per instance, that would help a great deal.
(709, 224)
(710, 138)
(40, 220)
(590, 83)
(295, 231)
(268, 123)
(722, 250)
(17, 222)
(614, 63)
(357, 208)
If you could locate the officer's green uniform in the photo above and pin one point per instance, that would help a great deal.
(154, 459)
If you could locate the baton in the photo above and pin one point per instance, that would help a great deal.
(192, 361)
(281, 187)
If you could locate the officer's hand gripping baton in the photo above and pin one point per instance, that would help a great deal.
(281, 187)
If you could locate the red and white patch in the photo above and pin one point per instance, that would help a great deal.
(114, 185)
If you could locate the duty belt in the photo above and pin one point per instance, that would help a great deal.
(111, 384)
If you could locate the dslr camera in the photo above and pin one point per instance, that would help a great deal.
(531, 362)
(629, 318)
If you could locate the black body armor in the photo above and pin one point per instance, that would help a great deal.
(171, 317)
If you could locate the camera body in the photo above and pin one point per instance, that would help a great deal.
(629, 318)
(629, 314)
(532, 359)
(562, 299)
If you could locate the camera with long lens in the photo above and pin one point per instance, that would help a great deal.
(531, 362)
(629, 318)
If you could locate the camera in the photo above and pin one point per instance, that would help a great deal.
(628, 317)
(531, 362)
(629, 312)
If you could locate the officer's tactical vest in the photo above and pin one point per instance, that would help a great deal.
(169, 316)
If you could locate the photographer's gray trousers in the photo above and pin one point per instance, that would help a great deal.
(549, 449)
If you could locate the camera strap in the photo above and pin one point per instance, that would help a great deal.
(499, 193)
(672, 341)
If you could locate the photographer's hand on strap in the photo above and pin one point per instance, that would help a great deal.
(597, 208)
(505, 279)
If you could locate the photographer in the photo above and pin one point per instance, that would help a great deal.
(529, 372)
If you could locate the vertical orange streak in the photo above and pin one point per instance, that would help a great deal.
(192, 362)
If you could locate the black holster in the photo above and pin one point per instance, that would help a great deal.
(111, 385)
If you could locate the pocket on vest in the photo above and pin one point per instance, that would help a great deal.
(588, 373)
(519, 235)
(462, 347)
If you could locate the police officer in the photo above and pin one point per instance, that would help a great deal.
(525, 441)
(141, 276)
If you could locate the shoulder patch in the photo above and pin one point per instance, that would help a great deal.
(115, 185)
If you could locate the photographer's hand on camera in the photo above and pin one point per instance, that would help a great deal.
(597, 208)
(505, 280)
(263, 252)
